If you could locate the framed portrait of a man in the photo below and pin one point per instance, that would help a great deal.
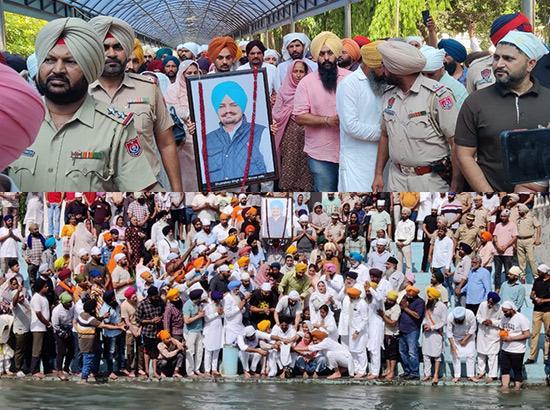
(276, 218)
(234, 145)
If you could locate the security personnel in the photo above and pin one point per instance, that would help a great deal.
(467, 232)
(135, 93)
(82, 145)
(529, 231)
(480, 74)
(419, 118)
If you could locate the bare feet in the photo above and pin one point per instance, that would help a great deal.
(489, 380)
(177, 375)
(426, 378)
(305, 375)
(372, 377)
(113, 376)
(247, 375)
(456, 379)
(315, 375)
(216, 374)
(61, 375)
(335, 375)
(359, 376)
(435, 381)
(39, 375)
(389, 376)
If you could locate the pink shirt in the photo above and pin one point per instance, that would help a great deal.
(321, 143)
(504, 234)
(486, 253)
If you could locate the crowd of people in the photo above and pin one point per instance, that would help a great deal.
(344, 109)
(157, 285)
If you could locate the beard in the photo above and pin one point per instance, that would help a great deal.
(328, 72)
(377, 84)
(243, 60)
(451, 67)
(509, 80)
(70, 93)
(113, 67)
(345, 62)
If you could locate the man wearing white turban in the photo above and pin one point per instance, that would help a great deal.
(295, 47)
(435, 70)
(188, 51)
(516, 101)
(140, 94)
(82, 143)
(418, 125)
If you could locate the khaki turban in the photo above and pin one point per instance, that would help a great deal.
(326, 38)
(401, 58)
(370, 54)
(81, 40)
(118, 28)
(352, 48)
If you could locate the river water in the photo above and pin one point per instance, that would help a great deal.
(228, 395)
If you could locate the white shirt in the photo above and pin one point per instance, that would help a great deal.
(21, 317)
(285, 65)
(8, 248)
(405, 231)
(39, 303)
(491, 204)
(443, 253)
(208, 213)
(359, 110)
(515, 326)
(62, 316)
(220, 232)
(273, 81)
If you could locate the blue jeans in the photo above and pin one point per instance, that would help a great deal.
(54, 213)
(76, 364)
(88, 365)
(114, 349)
(317, 365)
(408, 350)
(325, 175)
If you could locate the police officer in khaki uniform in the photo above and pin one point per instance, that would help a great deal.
(467, 232)
(138, 94)
(419, 118)
(82, 145)
(529, 231)
(480, 74)
(480, 213)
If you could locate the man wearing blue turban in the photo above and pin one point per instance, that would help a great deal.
(228, 145)
(276, 221)
(455, 55)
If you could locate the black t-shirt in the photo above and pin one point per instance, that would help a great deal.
(431, 223)
(542, 290)
(258, 300)
(488, 112)
(217, 283)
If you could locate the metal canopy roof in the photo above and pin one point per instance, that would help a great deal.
(174, 21)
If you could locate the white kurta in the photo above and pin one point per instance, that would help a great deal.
(233, 318)
(459, 332)
(432, 340)
(358, 323)
(376, 323)
(213, 328)
(488, 338)
(362, 273)
(316, 300)
(359, 110)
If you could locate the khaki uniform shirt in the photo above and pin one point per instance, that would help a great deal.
(482, 217)
(467, 235)
(413, 138)
(480, 74)
(140, 95)
(527, 225)
(97, 150)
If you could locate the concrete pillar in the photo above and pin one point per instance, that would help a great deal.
(3, 44)
(347, 19)
(528, 8)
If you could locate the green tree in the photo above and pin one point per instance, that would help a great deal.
(21, 33)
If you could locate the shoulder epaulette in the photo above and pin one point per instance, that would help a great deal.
(114, 114)
(140, 77)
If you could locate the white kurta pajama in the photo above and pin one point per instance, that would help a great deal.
(283, 357)
(468, 352)
(359, 110)
(432, 340)
(358, 345)
(488, 339)
(337, 354)
(376, 330)
(212, 337)
(233, 316)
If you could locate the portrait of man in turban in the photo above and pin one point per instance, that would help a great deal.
(277, 223)
(233, 148)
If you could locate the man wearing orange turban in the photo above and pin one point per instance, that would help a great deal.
(412, 313)
(224, 53)
(433, 326)
(351, 54)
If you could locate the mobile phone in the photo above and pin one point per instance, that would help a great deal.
(526, 155)
(425, 16)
